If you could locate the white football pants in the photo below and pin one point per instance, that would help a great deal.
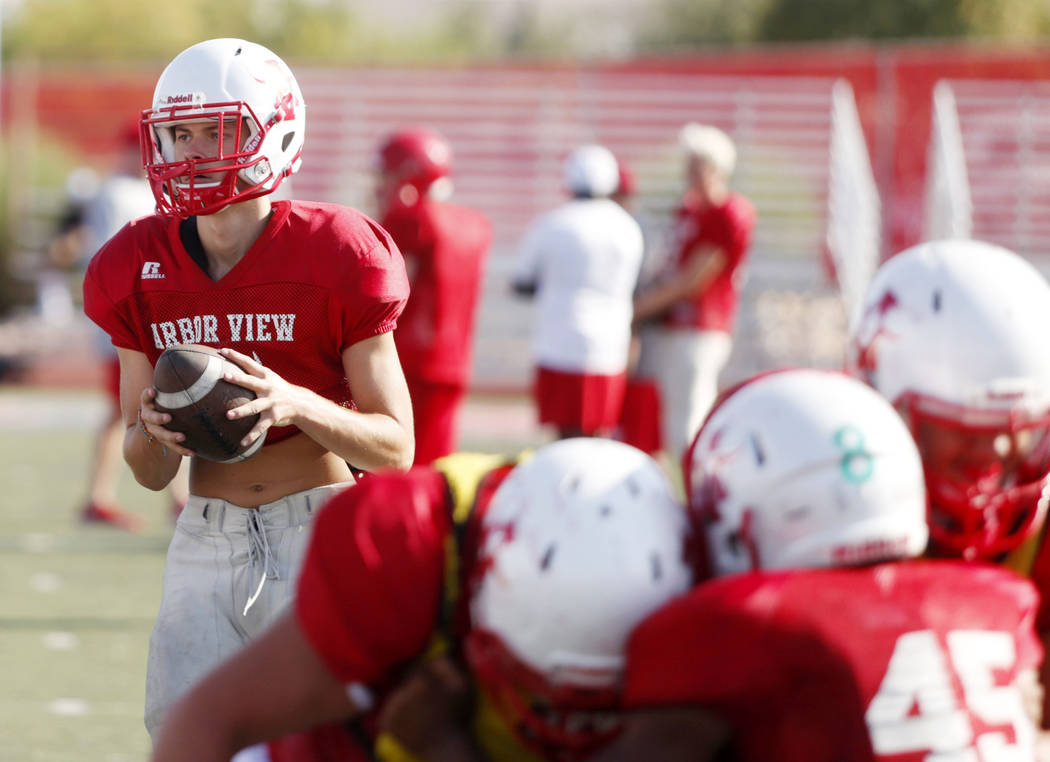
(687, 365)
(229, 572)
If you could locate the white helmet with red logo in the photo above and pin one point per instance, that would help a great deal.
(953, 333)
(578, 545)
(227, 81)
(805, 468)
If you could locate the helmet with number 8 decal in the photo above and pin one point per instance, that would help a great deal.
(805, 468)
(578, 545)
(252, 95)
(953, 333)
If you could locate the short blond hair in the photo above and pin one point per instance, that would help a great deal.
(710, 144)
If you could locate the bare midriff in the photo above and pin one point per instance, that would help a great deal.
(277, 470)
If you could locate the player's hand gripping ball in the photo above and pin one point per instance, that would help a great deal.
(191, 388)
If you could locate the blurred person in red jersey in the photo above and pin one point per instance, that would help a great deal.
(823, 636)
(445, 246)
(122, 197)
(300, 297)
(581, 261)
(952, 333)
(696, 299)
(530, 575)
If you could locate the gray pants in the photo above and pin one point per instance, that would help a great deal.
(229, 572)
(688, 365)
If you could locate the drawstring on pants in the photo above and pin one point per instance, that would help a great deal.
(259, 553)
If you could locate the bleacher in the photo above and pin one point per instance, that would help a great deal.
(510, 129)
(1005, 126)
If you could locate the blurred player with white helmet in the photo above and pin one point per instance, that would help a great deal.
(952, 333)
(581, 262)
(122, 196)
(533, 575)
(695, 302)
(445, 246)
(822, 636)
(302, 297)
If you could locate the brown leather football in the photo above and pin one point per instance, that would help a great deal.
(190, 386)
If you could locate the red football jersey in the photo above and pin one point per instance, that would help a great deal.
(891, 662)
(729, 228)
(319, 278)
(445, 245)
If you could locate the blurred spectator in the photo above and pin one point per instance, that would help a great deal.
(66, 250)
(122, 196)
(581, 261)
(822, 638)
(697, 301)
(445, 246)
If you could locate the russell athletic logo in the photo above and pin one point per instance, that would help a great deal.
(151, 271)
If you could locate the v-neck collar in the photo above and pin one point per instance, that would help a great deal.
(189, 251)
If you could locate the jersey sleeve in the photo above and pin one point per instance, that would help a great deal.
(372, 286)
(102, 292)
(371, 584)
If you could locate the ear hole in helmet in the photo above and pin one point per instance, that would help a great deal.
(657, 567)
(287, 141)
(548, 556)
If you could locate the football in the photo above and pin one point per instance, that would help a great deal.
(191, 388)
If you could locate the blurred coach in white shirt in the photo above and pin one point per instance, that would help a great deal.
(581, 262)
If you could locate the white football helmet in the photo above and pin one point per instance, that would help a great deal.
(591, 170)
(953, 333)
(578, 545)
(805, 468)
(229, 81)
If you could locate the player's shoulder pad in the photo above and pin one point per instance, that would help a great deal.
(349, 250)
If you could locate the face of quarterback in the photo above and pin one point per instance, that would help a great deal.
(202, 140)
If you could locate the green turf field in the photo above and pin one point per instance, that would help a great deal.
(77, 603)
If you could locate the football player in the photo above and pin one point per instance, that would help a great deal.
(303, 297)
(445, 246)
(953, 334)
(696, 299)
(534, 574)
(821, 636)
(581, 262)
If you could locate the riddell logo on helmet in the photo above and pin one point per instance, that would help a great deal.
(870, 550)
(184, 98)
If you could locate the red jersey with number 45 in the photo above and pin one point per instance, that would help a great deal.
(445, 246)
(319, 278)
(900, 662)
